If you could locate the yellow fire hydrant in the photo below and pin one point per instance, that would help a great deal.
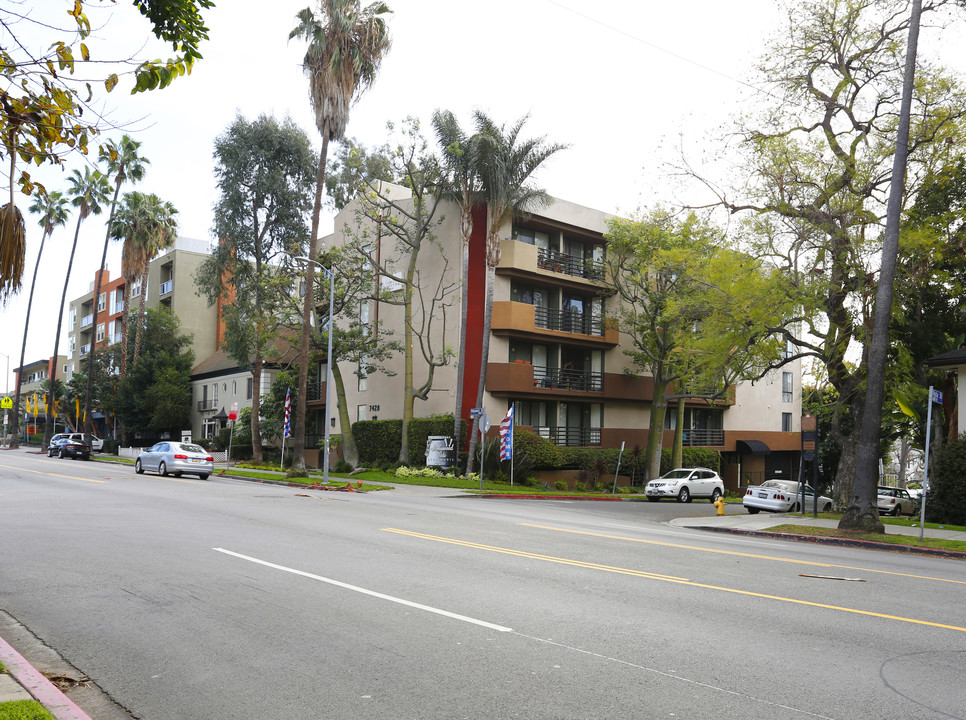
(720, 503)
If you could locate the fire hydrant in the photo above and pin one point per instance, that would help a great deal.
(720, 503)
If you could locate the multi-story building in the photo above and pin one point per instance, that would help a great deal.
(31, 379)
(557, 353)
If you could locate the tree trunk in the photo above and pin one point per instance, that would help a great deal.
(484, 362)
(655, 435)
(677, 459)
(409, 394)
(15, 427)
(349, 450)
(256, 410)
(141, 309)
(298, 446)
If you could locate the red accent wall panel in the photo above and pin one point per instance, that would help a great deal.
(472, 357)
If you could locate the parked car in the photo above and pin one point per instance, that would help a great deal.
(55, 442)
(69, 447)
(895, 501)
(684, 484)
(96, 443)
(781, 495)
(176, 458)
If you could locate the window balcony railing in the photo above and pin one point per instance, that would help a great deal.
(119, 307)
(702, 437)
(207, 405)
(85, 349)
(568, 321)
(570, 265)
(313, 392)
(567, 379)
(570, 436)
(87, 320)
(166, 287)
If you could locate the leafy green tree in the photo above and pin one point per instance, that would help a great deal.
(123, 163)
(88, 193)
(346, 45)
(155, 395)
(52, 209)
(507, 163)
(265, 171)
(353, 167)
(815, 179)
(147, 225)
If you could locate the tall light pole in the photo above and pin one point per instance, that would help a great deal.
(328, 365)
(6, 392)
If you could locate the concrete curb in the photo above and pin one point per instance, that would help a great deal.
(841, 542)
(42, 690)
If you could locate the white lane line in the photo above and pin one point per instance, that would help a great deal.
(364, 591)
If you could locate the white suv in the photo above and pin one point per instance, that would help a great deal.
(96, 443)
(683, 484)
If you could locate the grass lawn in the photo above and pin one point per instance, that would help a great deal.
(891, 539)
(24, 710)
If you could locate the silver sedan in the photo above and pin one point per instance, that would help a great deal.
(176, 458)
(782, 496)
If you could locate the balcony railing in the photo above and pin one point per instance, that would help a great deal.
(313, 391)
(166, 287)
(570, 265)
(87, 320)
(119, 307)
(207, 405)
(567, 379)
(700, 437)
(570, 436)
(85, 349)
(568, 321)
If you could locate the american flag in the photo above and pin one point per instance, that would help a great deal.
(288, 413)
(506, 436)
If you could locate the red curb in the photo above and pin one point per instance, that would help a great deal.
(43, 691)
(515, 496)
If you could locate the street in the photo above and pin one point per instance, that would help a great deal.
(185, 599)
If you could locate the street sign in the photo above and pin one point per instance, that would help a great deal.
(937, 396)
(476, 412)
(233, 413)
(484, 423)
(6, 403)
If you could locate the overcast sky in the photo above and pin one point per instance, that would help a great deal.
(623, 82)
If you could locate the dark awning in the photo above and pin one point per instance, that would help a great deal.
(222, 415)
(752, 447)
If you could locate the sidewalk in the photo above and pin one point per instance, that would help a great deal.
(26, 683)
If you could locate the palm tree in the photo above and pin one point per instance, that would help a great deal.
(52, 209)
(87, 192)
(147, 225)
(346, 44)
(506, 164)
(123, 163)
(463, 186)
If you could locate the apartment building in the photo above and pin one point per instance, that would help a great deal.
(556, 351)
(170, 284)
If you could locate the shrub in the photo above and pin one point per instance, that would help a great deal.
(343, 467)
(692, 457)
(378, 442)
(579, 487)
(541, 453)
(110, 447)
(946, 502)
(560, 485)
(421, 428)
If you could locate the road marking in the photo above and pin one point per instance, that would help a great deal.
(535, 556)
(775, 558)
(682, 581)
(372, 593)
(43, 472)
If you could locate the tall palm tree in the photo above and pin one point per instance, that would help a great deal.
(52, 209)
(147, 225)
(123, 163)
(463, 186)
(506, 163)
(346, 44)
(88, 192)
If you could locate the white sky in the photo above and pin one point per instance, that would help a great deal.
(624, 82)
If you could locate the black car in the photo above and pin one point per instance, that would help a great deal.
(70, 448)
(55, 442)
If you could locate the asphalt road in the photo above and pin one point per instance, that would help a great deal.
(187, 599)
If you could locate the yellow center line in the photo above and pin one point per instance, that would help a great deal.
(44, 472)
(535, 556)
(774, 558)
(671, 579)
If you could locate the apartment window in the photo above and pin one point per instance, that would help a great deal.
(364, 312)
(100, 332)
(363, 378)
(787, 387)
(362, 413)
(71, 346)
(72, 318)
(214, 393)
(136, 288)
(250, 388)
(533, 237)
(786, 422)
(101, 302)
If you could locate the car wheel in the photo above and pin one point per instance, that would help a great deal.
(203, 476)
(684, 496)
(137, 466)
(753, 511)
(794, 508)
(715, 494)
(827, 508)
(61, 455)
(897, 511)
(163, 470)
(651, 498)
(176, 474)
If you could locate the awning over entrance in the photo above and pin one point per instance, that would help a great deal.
(752, 447)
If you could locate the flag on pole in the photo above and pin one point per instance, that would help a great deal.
(288, 413)
(506, 436)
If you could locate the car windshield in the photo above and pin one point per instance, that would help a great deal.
(192, 448)
(676, 474)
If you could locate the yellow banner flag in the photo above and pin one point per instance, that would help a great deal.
(35, 404)
(77, 407)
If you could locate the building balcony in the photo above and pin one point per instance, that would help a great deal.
(85, 349)
(569, 436)
(534, 322)
(87, 320)
(207, 405)
(119, 307)
(315, 393)
(702, 437)
(166, 287)
(523, 260)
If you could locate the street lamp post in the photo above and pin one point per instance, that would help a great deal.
(328, 366)
(6, 392)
